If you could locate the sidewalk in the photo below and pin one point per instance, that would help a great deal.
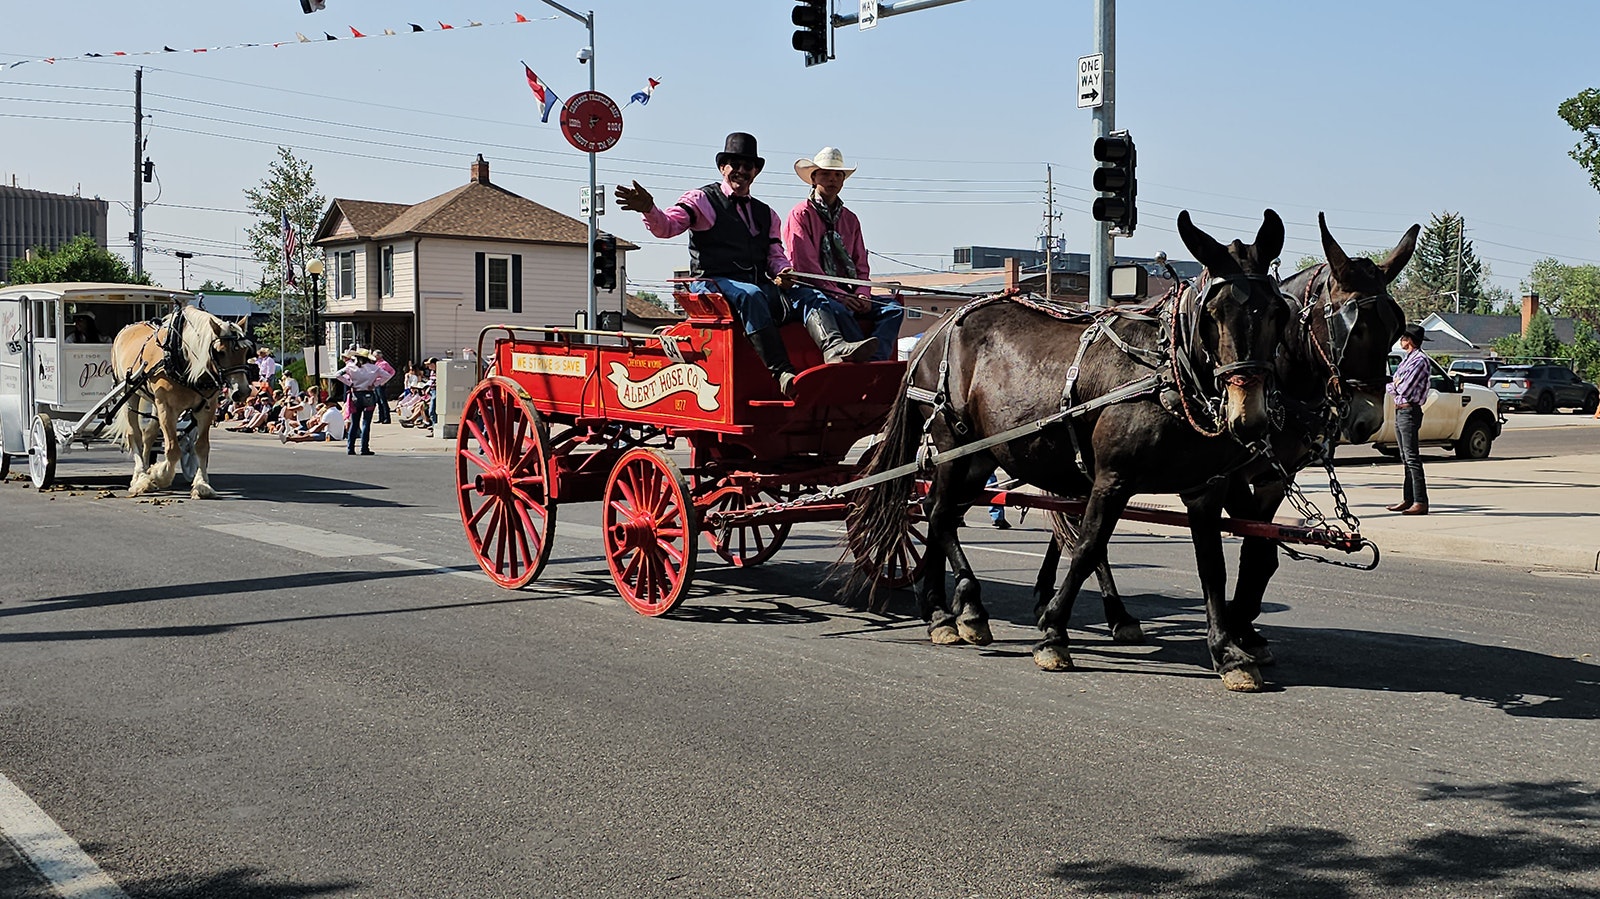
(1540, 512)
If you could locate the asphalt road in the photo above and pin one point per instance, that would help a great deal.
(306, 689)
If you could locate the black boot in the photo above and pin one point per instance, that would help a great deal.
(824, 329)
(769, 346)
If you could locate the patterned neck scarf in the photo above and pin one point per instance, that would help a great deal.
(836, 259)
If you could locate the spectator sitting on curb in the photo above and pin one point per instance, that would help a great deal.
(328, 425)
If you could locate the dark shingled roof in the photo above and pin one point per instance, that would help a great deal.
(366, 216)
(1483, 330)
(646, 311)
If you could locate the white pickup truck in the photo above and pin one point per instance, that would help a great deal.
(1456, 415)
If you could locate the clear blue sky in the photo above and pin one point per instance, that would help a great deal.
(1377, 113)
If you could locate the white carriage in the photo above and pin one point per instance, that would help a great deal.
(56, 389)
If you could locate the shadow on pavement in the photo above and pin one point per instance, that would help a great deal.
(302, 488)
(234, 883)
(1544, 856)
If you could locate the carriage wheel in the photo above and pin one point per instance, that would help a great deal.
(749, 545)
(502, 467)
(42, 452)
(650, 539)
(904, 565)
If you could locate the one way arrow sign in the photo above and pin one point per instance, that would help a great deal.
(1091, 80)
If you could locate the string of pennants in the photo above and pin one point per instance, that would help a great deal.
(299, 38)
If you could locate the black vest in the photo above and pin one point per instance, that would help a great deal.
(727, 249)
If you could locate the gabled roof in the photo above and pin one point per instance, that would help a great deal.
(473, 210)
(647, 312)
(1483, 330)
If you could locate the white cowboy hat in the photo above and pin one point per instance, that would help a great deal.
(827, 159)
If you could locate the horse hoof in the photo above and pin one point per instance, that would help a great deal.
(202, 493)
(975, 632)
(1245, 679)
(944, 635)
(1261, 655)
(1129, 632)
(1052, 658)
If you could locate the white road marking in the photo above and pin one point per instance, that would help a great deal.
(317, 542)
(58, 857)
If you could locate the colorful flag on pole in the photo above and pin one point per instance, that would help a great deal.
(643, 97)
(290, 244)
(541, 92)
(310, 6)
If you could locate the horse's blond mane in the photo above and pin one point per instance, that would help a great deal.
(200, 331)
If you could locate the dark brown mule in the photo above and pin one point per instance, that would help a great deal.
(1009, 365)
(210, 357)
(1332, 375)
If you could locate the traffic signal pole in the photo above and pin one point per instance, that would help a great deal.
(1105, 121)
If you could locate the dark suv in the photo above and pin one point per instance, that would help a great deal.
(1543, 388)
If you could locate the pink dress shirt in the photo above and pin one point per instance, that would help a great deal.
(802, 240)
(676, 219)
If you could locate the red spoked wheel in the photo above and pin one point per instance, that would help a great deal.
(746, 546)
(502, 471)
(904, 564)
(650, 539)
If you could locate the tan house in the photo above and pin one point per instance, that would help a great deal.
(424, 280)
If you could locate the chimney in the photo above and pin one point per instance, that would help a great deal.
(1530, 308)
(480, 170)
(1013, 273)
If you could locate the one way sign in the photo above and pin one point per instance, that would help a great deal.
(1091, 80)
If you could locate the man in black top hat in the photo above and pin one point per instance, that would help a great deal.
(736, 249)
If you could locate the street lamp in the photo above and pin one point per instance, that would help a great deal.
(183, 268)
(314, 322)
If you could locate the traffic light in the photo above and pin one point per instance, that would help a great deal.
(1115, 176)
(812, 38)
(605, 262)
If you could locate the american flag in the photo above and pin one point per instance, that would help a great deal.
(290, 244)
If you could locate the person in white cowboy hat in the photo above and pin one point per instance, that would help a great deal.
(736, 249)
(361, 376)
(823, 237)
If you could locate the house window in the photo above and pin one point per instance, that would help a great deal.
(346, 263)
(388, 271)
(963, 256)
(499, 282)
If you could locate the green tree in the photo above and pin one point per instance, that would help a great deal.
(1444, 259)
(211, 285)
(289, 186)
(1568, 290)
(1540, 341)
(1582, 114)
(79, 259)
(1584, 353)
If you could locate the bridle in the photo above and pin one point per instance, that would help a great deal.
(1189, 354)
(1340, 323)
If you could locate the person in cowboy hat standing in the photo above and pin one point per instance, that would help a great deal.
(362, 378)
(736, 249)
(1410, 390)
(823, 237)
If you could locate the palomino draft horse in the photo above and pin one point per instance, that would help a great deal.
(1192, 379)
(176, 366)
(1331, 375)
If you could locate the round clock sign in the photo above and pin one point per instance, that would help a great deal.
(591, 121)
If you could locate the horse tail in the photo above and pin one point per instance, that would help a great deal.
(878, 520)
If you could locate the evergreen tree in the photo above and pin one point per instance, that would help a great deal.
(79, 259)
(1540, 342)
(289, 185)
(1443, 259)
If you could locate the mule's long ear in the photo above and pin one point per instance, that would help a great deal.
(1205, 248)
(1400, 255)
(1269, 240)
(1337, 260)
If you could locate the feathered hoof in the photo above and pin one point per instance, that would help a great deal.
(1052, 658)
(202, 491)
(139, 487)
(975, 632)
(1128, 632)
(1244, 679)
(944, 635)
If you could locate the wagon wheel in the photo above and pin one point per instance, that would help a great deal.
(502, 471)
(649, 531)
(905, 563)
(747, 546)
(42, 452)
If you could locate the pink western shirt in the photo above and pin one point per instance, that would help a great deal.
(802, 240)
(676, 219)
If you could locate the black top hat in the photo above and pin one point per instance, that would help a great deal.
(1416, 334)
(740, 144)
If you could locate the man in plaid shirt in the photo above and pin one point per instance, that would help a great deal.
(1410, 390)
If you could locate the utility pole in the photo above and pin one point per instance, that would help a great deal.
(1105, 121)
(138, 172)
(1461, 227)
(1049, 230)
(183, 268)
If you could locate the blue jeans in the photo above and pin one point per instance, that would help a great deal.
(361, 405)
(886, 318)
(759, 306)
(1407, 424)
